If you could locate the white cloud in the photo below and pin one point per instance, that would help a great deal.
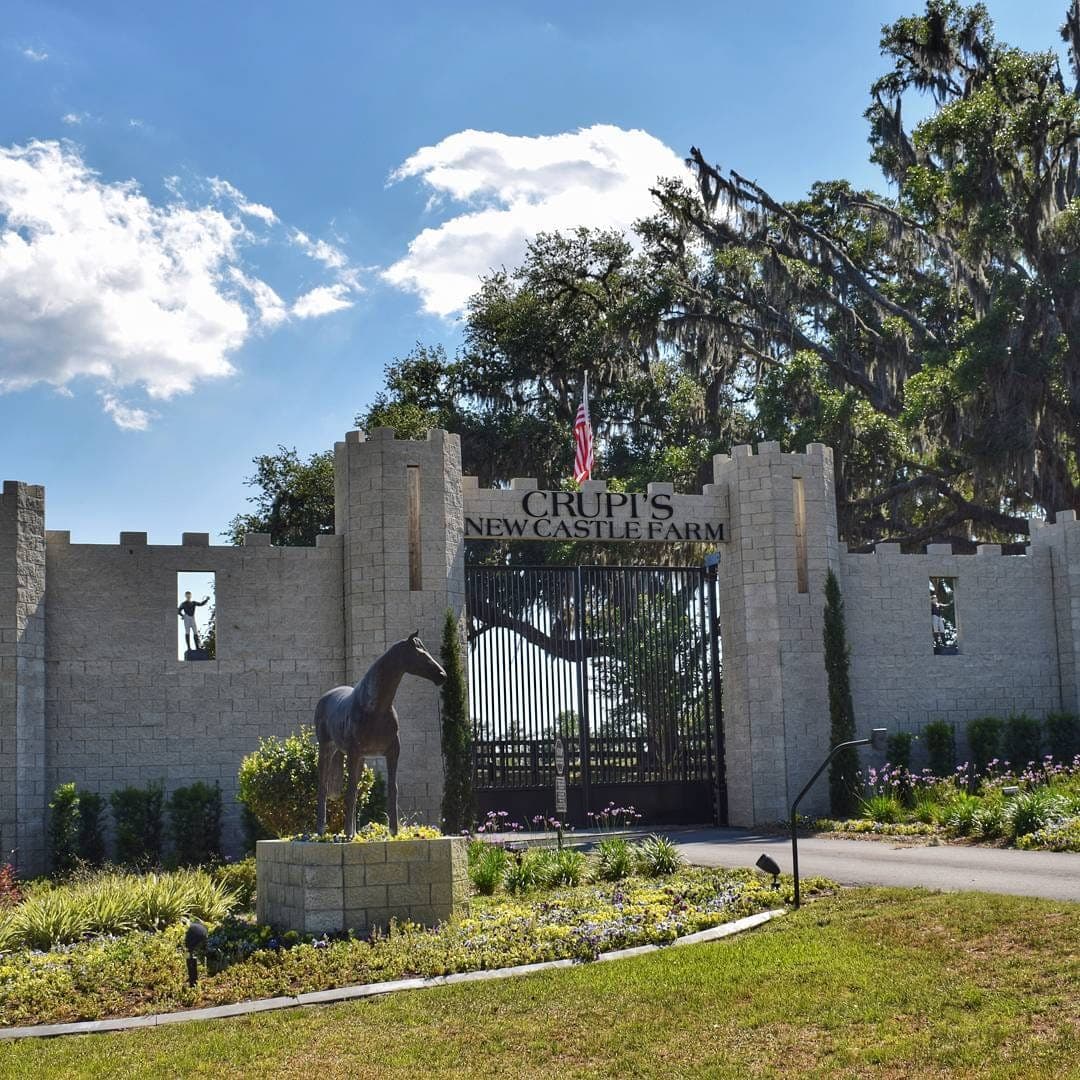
(322, 301)
(510, 188)
(98, 281)
(126, 417)
(330, 256)
(222, 189)
(35, 56)
(73, 119)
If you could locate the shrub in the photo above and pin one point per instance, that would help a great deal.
(488, 868)
(10, 891)
(114, 903)
(885, 809)
(1063, 835)
(195, 823)
(959, 813)
(528, 870)
(375, 808)
(843, 796)
(927, 808)
(91, 827)
(614, 859)
(1022, 742)
(458, 802)
(899, 749)
(137, 813)
(940, 747)
(1063, 736)
(237, 878)
(279, 785)
(657, 856)
(988, 822)
(984, 738)
(565, 867)
(1033, 810)
(64, 828)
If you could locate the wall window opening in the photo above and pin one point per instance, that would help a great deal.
(943, 624)
(196, 616)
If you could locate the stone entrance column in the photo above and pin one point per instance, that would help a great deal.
(398, 508)
(782, 541)
(22, 676)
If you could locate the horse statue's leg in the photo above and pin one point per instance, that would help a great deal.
(392, 753)
(326, 761)
(355, 765)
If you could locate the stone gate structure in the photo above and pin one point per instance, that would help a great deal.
(91, 692)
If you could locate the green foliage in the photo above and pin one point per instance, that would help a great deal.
(64, 828)
(279, 785)
(112, 903)
(375, 808)
(614, 859)
(1022, 742)
(1033, 810)
(899, 749)
(237, 878)
(940, 747)
(843, 794)
(885, 809)
(488, 868)
(960, 812)
(294, 501)
(527, 870)
(1063, 736)
(984, 738)
(564, 868)
(137, 814)
(657, 856)
(91, 828)
(195, 823)
(458, 802)
(1061, 835)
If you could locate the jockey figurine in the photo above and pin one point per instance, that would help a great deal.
(186, 611)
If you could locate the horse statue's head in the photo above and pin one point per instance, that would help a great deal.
(416, 660)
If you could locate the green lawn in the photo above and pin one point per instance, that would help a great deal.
(872, 982)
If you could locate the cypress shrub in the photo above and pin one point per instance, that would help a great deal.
(899, 750)
(1023, 740)
(458, 803)
(64, 828)
(984, 738)
(91, 827)
(195, 823)
(137, 813)
(376, 808)
(843, 792)
(940, 747)
(1063, 736)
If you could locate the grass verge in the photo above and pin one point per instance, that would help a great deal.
(872, 982)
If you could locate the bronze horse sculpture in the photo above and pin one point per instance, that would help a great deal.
(354, 722)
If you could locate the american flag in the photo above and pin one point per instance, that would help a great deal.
(583, 439)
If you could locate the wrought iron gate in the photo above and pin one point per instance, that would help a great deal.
(624, 663)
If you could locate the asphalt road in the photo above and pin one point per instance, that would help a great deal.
(948, 867)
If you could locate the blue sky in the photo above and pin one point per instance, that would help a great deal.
(220, 221)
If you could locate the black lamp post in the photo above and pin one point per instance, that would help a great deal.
(194, 941)
(878, 741)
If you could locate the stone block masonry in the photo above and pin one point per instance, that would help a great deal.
(321, 888)
(91, 691)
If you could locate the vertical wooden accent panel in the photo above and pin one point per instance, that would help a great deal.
(802, 581)
(416, 569)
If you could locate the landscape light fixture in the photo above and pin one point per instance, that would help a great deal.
(194, 941)
(768, 865)
(879, 737)
(1010, 791)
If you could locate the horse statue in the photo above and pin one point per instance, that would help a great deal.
(354, 722)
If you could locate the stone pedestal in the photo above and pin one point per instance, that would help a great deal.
(319, 887)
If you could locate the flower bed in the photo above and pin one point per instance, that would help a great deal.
(141, 973)
(1035, 808)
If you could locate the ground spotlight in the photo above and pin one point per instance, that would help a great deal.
(768, 865)
(194, 941)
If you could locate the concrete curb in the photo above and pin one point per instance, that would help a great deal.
(348, 993)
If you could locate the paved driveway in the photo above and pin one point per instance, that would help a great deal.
(878, 862)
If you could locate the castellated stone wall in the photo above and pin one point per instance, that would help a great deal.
(1008, 659)
(121, 709)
